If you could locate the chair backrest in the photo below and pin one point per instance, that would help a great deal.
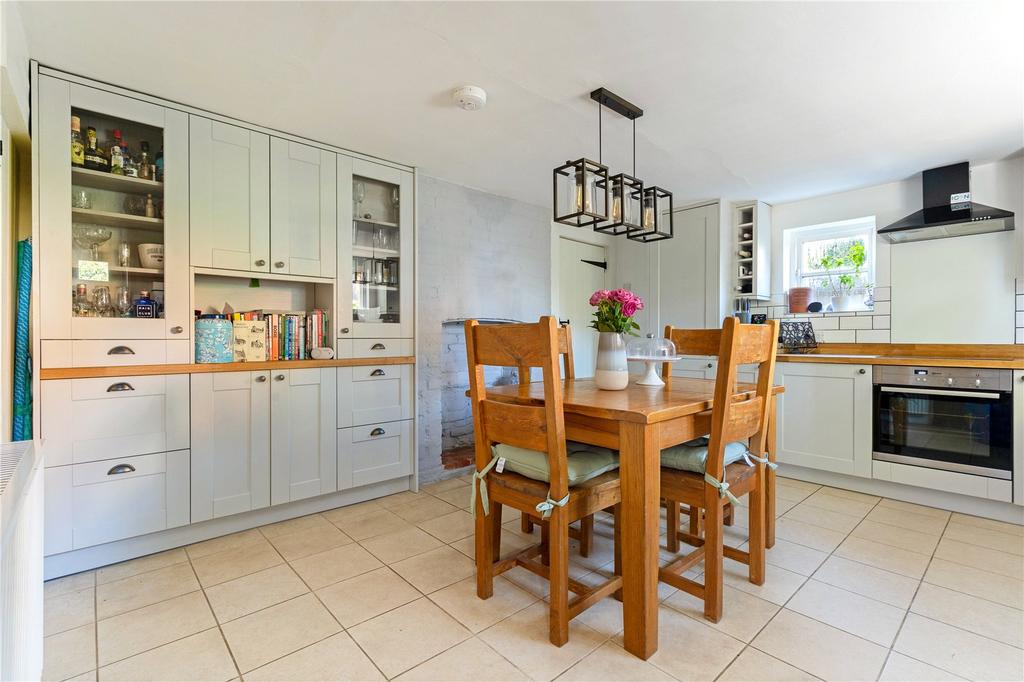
(534, 427)
(564, 349)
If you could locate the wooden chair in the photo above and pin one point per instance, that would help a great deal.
(537, 430)
(733, 419)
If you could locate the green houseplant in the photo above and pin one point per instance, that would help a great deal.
(842, 285)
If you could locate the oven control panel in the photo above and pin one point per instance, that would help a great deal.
(962, 378)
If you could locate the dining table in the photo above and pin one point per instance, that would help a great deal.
(639, 421)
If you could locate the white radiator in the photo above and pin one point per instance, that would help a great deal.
(21, 563)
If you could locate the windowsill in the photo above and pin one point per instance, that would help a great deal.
(830, 313)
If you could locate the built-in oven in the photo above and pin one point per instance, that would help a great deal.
(952, 418)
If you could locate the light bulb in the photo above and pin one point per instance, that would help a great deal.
(648, 212)
(616, 203)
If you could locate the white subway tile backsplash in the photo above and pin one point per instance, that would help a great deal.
(1020, 319)
(1020, 336)
(855, 323)
(822, 323)
(1020, 301)
(835, 336)
(880, 322)
(873, 336)
(1020, 285)
(883, 293)
(882, 307)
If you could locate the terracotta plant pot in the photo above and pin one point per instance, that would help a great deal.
(799, 297)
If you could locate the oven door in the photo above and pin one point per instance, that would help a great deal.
(957, 430)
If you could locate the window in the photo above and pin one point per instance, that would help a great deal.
(824, 257)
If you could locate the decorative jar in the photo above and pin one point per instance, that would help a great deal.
(214, 339)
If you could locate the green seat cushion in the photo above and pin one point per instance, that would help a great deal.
(693, 456)
(583, 462)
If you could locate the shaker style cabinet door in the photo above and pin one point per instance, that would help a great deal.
(303, 209)
(230, 200)
(303, 451)
(231, 437)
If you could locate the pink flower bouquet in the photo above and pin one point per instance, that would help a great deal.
(615, 311)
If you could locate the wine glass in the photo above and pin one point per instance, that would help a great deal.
(90, 237)
(123, 303)
(101, 301)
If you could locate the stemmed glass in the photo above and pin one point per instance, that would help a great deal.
(124, 301)
(358, 194)
(90, 237)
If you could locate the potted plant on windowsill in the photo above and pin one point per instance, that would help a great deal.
(842, 286)
(612, 319)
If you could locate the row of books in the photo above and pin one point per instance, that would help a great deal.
(279, 334)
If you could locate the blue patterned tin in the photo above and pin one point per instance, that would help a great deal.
(214, 339)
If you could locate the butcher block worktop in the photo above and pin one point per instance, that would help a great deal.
(196, 368)
(982, 356)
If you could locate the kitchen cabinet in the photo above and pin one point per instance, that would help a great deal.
(303, 209)
(825, 417)
(303, 433)
(374, 453)
(231, 443)
(695, 368)
(368, 394)
(229, 205)
(752, 250)
(1018, 437)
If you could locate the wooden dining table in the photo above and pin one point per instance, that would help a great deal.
(638, 422)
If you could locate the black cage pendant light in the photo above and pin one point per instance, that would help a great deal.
(657, 216)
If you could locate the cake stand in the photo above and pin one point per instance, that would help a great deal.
(651, 376)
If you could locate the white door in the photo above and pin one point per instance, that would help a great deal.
(683, 287)
(303, 434)
(229, 206)
(231, 443)
(303, 209)
(577, 280)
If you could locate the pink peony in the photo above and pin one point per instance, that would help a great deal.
(629, 308)
(598, 296)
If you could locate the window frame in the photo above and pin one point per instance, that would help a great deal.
(796, 237)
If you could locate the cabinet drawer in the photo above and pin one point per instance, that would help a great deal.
(368, 395)
(374, 453)
(123, 498)
(86, 420)
(117, 352)
(380, 348)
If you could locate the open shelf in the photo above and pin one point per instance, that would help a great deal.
(379, 223)
(134, 271)
(378, 287)
(111, 219)
(370, 252)
(84, 177)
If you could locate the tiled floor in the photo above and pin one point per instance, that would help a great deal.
(858, 588)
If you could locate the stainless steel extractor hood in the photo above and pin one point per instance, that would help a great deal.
(948, 210)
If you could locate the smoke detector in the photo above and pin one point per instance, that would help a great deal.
(470, 97)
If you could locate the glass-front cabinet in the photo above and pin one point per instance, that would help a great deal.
(376, 201)
(113, 208)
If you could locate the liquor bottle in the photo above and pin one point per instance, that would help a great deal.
(77, 146)
(116, 160)
(131, 170)
(150, 207)
(144, 306)
(94, 159)
(145, 169)
(160, 165)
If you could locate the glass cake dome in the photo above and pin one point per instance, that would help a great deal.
(651, 347)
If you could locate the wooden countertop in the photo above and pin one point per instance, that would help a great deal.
(196, 368)
(982, 356)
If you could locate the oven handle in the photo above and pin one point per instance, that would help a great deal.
(931, 391)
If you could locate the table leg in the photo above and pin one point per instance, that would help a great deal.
(640, 513)
(769, 480)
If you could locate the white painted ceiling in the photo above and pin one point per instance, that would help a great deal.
(776, 101)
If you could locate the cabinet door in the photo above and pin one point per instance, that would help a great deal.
(825, 417)
(303, 451)
(694, 368)
(303, 209)
(231, 443)
(374, 453)
(368, 394)
(1018, 436)
(229, 169)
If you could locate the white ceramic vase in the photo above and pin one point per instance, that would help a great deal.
(844, 303)
(612, 371)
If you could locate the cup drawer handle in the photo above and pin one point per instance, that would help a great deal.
(378, 346)
(120, 386)
(377, 432)
(121, 469)
(120, 350)
(377, 373)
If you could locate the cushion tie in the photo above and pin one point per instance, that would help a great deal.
(748, 455)
(723, 488)
(547, 506)
(478, 481)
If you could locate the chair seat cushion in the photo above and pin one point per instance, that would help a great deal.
(583, 462)
(693, 456)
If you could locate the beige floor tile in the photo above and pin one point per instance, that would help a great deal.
(435, 569)
(980, 616)
(900, 668)
(367, 596)
(991, 560)
(991, 586)
(312, 541)
(528, 581)
(334, 658)
(279, 630)
(602, 551)
(394, 547)
(912, 540)
(351, 511)
(423, 510)
(794, 557)
(69, 610)
(202, 656)
(869, 619)
(820, 649)
(913, 508)
(296, 525)
(250, 593)
(402, 498)
(844, 505)
(234, 563)
(450, 527)
(610, 662)
(127, 569)
(457, 497)
(442, 486)
(885, 586)
(887, 557)
(816, 516)
(377, 522)
(144, 589)
(779, 584)
(864, 498)
(334, 565)
(224, 542)
(460, 601)
(405, 637)
(84, 677)
(990, 524)
(136, 631)
(960, 652)
(902, 518)
(510, 543)
(69, 653)
(756, 666)
(689, 649)
(470, 661)
(69, 583)
(523, 639)
(743, 614)
(815, 537)
(985, 537)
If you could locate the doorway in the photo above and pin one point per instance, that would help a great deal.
(577, 280)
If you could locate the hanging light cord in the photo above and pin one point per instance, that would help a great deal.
(600, 141)
(634, 147)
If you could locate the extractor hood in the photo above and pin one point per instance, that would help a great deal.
(948, 210)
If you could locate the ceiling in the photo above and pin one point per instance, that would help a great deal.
(775, 101)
